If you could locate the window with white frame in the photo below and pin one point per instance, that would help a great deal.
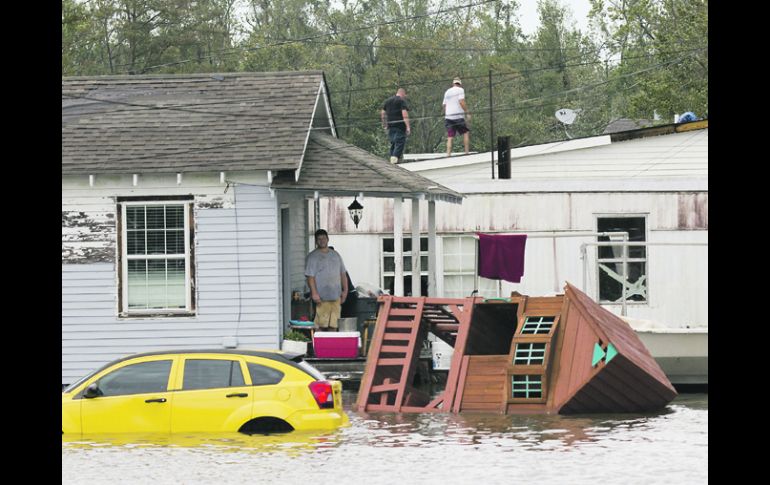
(610, 260)
(459, 266)
(155, 250)
(459, 253)
(389, 265)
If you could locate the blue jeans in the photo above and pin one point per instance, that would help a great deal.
(397, 139)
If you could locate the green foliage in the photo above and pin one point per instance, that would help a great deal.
(141, 36)
(296, 335)
(642, 56)
(663, 47)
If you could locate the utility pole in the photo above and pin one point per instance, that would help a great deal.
(491, 127)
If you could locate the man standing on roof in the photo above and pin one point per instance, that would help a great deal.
(395, 120)
(456, 116)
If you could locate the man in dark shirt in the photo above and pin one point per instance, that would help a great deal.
(395, 120)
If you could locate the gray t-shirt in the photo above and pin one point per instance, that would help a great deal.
(327, 269)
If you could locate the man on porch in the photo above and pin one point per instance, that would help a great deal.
(326, 277)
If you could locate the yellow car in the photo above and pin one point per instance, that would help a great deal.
(203, 391)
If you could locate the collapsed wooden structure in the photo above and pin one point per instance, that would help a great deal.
(560, 354)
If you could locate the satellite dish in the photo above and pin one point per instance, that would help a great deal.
(567, 116)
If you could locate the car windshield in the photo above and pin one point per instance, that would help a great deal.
(315, 373)
(81, 380)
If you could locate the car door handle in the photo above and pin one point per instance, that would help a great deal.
(160, 399)
(238, 394)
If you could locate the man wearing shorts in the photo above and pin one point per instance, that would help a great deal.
(456, 116)
(326, 277)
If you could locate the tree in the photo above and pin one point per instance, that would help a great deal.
(140, 36)
(647, 55)
(663, 50)
(78, 40)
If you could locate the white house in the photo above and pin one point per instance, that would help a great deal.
(651, 183)
(187, 207)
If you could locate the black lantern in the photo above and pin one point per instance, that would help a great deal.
(356, 211)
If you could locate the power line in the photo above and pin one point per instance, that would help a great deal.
(320, 35)
(304, 130)
(185, 107)
(309, 39)
(445, 49)
(597, 84)
(519, 105)
(591, 129)
(597, 50)
(371, 121)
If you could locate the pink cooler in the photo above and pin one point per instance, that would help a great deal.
(336, 345)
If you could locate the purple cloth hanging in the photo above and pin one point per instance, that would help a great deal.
(501, 257)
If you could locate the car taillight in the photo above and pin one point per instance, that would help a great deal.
(322, 392)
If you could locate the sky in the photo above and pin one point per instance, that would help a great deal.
(530, 21)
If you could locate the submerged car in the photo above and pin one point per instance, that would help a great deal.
(203, 391)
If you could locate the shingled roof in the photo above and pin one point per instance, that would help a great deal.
(223, 122)
(334, 166)
(182, 123)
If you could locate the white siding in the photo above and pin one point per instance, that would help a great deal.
(677, 275)
(361, 254)
(532, 212)
(677, 161)
(237, 272)
(298, 231)
(88, 213)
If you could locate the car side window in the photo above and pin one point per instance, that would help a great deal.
(263, 376)
(141, 378)
(212, 374)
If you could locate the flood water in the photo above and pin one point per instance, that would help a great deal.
(668, 447)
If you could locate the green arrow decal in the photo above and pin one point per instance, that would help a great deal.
(611, 352)
(598, 354)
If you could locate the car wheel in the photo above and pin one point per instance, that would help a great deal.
(266, 425)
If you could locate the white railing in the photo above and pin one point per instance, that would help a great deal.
(624, 261)
(621, 234)
(624, 242)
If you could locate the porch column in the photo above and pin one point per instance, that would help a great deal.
(316, 211)
(398, 250)
(416, 286)
(432, 248)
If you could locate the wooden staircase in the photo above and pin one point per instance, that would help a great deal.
(402, 325)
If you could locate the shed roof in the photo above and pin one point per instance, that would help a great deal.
(191, 122)
(633, 381)
(618, 332)
(334, 166)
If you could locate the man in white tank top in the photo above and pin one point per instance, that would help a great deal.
(456, 116)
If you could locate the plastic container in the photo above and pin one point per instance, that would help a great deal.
(366, 309)
(336, 345)
(442, 355)
(294, 347)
